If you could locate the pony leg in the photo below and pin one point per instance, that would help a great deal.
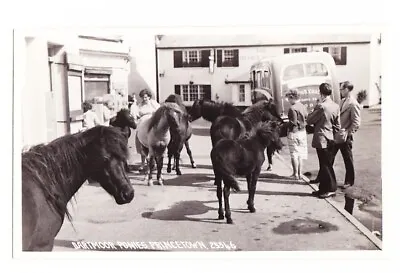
(150, 170)
(218, 181)
(169, 163)
(177, 169)
(189, 152)
(227, 191)
(252, 190)
(160, 162)
(250, 202)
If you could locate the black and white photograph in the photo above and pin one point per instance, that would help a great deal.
(138, 140)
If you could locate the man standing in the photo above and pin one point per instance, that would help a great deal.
(325, 119)
(350, 120)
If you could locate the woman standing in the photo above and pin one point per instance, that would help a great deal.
(146, 107)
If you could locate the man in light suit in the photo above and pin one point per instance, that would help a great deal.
(350, 120)
(325, 119)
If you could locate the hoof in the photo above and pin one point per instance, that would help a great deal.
(229, 221)
(150, 182)
(168, 170)
(194, 166)
(160, 182)
(178, 173)
(221, 217)
(252, 209)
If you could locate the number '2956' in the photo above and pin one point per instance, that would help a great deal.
(222, 245)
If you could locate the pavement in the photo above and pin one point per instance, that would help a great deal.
(182, 215)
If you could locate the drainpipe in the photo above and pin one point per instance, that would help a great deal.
(157, 88)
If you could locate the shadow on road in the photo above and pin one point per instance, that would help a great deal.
(181, 211)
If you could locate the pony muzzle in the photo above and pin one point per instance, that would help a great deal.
(125, 195)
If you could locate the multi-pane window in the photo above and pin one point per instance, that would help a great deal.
(294, 49)
(228, 55)
(242, 93)
(191, 56)
(192, 92)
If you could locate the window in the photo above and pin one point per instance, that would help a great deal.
(191, 58)
(242, 93)
(287, 50)
(192, 92)
(228, 58)
(293, 72)
(96, 85)
(228, 55)
(339, 54)
(316, 69)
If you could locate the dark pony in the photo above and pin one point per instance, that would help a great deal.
(211, 110)
(124, 120)
(234, 127)
(243, 157)
(53, 173)
(177, 140)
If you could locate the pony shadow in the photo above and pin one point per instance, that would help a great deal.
(201, 131)
(273, 193)
(181, 211)
(198, 180)
(198, 166)
(68, 244)
(277, 179)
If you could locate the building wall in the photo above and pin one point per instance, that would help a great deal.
(357, 70)
(35, 90)
(143, 65)
(42, 88)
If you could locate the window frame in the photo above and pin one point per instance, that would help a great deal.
(242, 93)
(187, 95)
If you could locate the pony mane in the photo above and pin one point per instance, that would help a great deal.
(257, 112)
(211, 109)
(161, 111)
(175, 99)
(49, 166)
(262, 127)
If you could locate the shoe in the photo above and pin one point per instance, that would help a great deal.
(315, 193)
(327, 194)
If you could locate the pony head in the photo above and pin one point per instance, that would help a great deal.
(196, 110)
(124, 118)
(269, 133)
(108, 155)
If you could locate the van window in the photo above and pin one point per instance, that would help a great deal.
(316, 69)
(293, 72)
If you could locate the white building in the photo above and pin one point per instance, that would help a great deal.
(55, 71)
(218, 67)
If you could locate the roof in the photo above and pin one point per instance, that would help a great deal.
(187, 41)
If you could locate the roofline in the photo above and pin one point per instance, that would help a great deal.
(100, 39)
(227, 81)
(259, 45)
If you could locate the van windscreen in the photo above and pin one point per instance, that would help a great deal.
(304, 70)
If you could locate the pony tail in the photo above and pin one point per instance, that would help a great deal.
(225, 171)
